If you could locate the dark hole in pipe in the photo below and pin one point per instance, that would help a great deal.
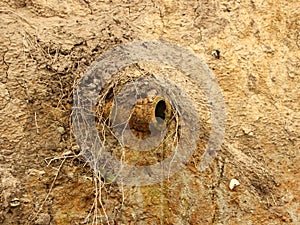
(160, 111)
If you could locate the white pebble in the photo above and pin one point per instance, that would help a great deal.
(233, 183)
(15, 202)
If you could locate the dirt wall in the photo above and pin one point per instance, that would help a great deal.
(45, 48)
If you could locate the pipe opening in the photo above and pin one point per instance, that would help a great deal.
(160, 111)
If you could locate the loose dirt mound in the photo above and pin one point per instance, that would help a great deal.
(46, 47)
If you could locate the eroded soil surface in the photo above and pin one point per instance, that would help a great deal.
(46, 47)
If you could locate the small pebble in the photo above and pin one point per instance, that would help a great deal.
(284, 218)
(216, 54)
(233, 183)
(61, 130)
(15, 202)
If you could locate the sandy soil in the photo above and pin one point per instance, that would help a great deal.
(45, 48)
